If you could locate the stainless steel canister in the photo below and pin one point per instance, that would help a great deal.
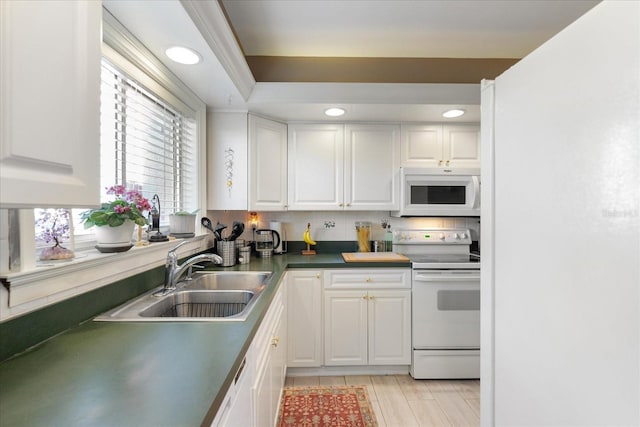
(227, 250)
(244, 254)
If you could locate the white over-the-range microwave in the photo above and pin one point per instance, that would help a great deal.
(439, 192)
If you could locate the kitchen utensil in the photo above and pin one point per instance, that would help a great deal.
(206, 223)
(218, 230)
(266, 240)
(236, 230)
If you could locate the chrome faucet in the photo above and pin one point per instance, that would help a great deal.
(173, 271)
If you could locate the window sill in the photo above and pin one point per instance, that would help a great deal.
(52, 282)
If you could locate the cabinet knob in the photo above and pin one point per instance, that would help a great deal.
(364, 297)
(447, 162)
(275, 341)
(368, 280)
(372, 297)
(440, 163)
(318, 276)
(341, 205)
(348, 205)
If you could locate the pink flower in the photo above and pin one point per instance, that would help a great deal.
(117, 190)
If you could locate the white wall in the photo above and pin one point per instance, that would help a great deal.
(566, 229)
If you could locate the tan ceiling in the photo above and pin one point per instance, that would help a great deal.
(393, 41)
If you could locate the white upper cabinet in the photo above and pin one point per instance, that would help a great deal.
(227, 161)
(50, 104)
(372, 165)
(335, 167)
(316, 166)
(267, 164)
(437, 145)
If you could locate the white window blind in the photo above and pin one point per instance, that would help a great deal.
(146, 144)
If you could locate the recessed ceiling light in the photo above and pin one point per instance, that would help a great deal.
(334, 112)
(450, 114)
(183, 55)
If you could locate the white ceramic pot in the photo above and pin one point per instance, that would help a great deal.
(182, 224)
(115, 236)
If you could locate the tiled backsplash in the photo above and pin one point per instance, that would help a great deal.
(336, 225)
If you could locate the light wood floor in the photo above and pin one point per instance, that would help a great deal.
(401, 401)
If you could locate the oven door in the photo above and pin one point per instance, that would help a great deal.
(446, 309)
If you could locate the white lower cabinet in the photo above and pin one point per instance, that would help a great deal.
(304, 318)
(367, 317)
(271, 363)
(253, 398)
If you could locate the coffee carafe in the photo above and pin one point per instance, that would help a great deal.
(266, 240)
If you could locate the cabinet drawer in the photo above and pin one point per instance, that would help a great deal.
(368, 278)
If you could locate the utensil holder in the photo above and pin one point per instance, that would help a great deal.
(227, 250)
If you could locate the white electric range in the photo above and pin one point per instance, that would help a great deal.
(445, 302)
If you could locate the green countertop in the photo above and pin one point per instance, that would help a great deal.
(140, 374)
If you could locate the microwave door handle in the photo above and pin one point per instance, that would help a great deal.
(445, 278)
(476, 191)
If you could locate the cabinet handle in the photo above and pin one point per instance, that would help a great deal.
(275, 341)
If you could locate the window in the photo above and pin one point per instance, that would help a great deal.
(146, 144)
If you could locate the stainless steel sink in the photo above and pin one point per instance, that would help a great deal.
(208, 297)
(200, 304)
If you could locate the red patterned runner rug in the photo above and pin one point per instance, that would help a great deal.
(326, 406)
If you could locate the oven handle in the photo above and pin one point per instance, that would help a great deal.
(445, 278)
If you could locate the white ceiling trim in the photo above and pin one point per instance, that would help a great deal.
(366, 93)
(209, 18)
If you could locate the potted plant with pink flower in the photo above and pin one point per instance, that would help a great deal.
(115, 220)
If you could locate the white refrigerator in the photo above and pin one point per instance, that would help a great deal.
(561, 229)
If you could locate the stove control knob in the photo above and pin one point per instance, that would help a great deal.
(441, 236)
(456, 236)
(463, 236)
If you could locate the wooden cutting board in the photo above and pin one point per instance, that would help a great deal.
(374, 257)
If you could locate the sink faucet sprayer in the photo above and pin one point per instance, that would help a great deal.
(173, 271)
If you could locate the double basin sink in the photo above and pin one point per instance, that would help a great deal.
(209, 296)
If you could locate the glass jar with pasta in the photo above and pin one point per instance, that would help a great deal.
(363, 235)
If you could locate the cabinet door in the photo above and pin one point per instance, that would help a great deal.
(227, 142)
(316, 167)
(462, 145)
(267, 164)
(345, 327)
(304, 305)
(389, 316)
(372, 164)
(278, 365)
(261, 394)
(50, 103)
(421, 146)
